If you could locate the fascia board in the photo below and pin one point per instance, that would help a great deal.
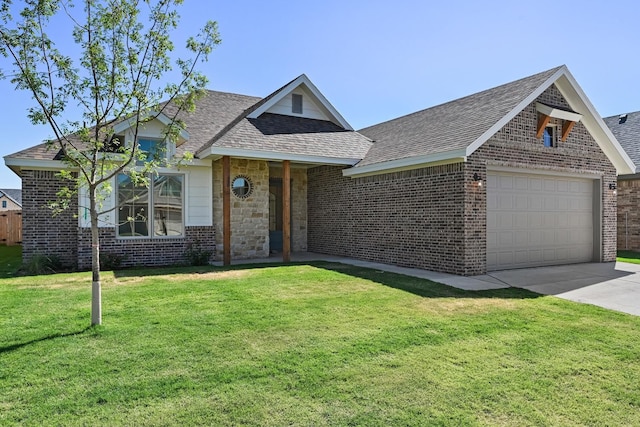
(34, 164)
(218, 152)
(454, 156)
(577, 99)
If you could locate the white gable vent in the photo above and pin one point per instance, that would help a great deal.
(296, 103)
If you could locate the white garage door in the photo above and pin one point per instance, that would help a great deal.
(535, 220)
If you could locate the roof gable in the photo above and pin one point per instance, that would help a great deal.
(15, 195)
(279, 102)
(454, 130)
(626, 129)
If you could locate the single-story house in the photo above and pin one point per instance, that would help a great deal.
(10, 199)
(626, 129)
(516, 176)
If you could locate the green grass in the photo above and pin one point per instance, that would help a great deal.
(10, 260)
(629, 256)
(321, 344)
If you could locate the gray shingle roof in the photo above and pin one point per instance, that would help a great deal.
(627, 132)
(13, 194)
(213, 112)
(451, 126)
(294, 135)
(220, 119)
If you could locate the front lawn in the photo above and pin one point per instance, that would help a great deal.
(321, 344)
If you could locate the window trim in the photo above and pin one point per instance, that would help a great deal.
(151, 209)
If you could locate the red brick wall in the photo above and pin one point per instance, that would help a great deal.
(42, 233)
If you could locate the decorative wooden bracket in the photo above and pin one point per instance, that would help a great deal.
(566, 128)
(543, 121)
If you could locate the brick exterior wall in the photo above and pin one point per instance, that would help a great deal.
(412, 218)
(435, 218)
(629, 214)
(144, 252)
(42, 233)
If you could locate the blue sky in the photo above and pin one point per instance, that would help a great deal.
(376, 60)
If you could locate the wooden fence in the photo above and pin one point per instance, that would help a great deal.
(10, 227)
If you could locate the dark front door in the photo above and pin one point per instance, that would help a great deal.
(275, 215)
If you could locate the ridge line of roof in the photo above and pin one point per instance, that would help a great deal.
(555, 69)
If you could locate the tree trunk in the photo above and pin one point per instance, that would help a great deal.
(96, 288)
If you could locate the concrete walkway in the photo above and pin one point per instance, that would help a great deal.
(610, 285)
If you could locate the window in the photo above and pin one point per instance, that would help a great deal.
(154, 148)
(4, 203)
(241, 187)
(151, 212)
(548, 136)
(296, 106)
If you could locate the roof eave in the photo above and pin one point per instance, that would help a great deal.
(409, 163)
(215, 153)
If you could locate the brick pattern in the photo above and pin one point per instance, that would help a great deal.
(411, 218)
(42, 233)
(629, 214)
(515, 145)
(144, 252)
(435, 218)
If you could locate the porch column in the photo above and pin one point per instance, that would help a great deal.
(286, 211)
(226, 210)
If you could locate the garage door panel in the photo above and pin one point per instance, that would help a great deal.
(535, 220)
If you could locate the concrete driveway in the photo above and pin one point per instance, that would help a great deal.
(611, 285)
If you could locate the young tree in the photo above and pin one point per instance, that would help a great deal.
(124, 55)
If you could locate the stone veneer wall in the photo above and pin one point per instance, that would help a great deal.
(145, 252)
(249, 216)
(411, 218)
(629, 214)
(42, 233)
(298, 206)
(435, 218)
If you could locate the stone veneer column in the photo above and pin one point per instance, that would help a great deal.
(249, 216)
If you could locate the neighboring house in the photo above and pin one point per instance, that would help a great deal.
(10, 216)
(626, 128)
(10, 199)
(515, 176)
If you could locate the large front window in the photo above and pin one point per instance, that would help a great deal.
(151, 212)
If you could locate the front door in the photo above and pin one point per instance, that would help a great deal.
(275, 215)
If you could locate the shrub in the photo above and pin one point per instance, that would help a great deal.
(42, 264)
(197, 255)
(111, 261)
